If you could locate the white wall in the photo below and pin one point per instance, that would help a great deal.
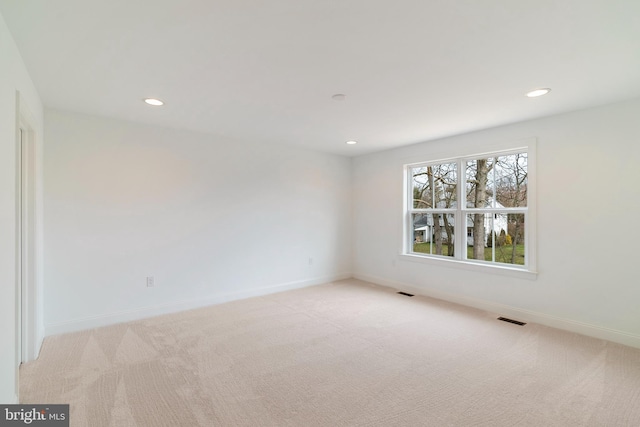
(588, 234)
(13, 77)
(210, 219)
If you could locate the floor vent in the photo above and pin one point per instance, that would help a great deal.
(515, 322)
(405, 294)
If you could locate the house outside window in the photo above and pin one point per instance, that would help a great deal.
(473, 209)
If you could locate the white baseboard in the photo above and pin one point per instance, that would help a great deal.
(595, 331)
(174, 307)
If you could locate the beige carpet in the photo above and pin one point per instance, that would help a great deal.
(343, 354)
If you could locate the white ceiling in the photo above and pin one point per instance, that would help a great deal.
(412, 70)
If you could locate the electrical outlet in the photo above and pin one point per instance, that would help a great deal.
(150, 282)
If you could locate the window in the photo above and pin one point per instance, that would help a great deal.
(473, 209)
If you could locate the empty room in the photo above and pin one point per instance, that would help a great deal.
(319, 213)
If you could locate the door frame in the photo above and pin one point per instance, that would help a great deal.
(27, 242)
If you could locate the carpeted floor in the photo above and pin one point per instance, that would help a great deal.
(342, 354)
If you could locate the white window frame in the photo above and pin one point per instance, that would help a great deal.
(459, 260)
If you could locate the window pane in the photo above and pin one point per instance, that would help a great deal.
(433, 233)
(510, 247)
(478, 230)
(421, 190)
(511, 180)
(499, 237)
(434, 186)
(480, 183)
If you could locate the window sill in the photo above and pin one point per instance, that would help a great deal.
(472, 266)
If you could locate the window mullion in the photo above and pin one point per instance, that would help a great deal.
(461, 226)
(493, 237)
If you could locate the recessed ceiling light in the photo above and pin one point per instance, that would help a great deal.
(538, 92)
(339, 97)
(154, 102)
(352, 142)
